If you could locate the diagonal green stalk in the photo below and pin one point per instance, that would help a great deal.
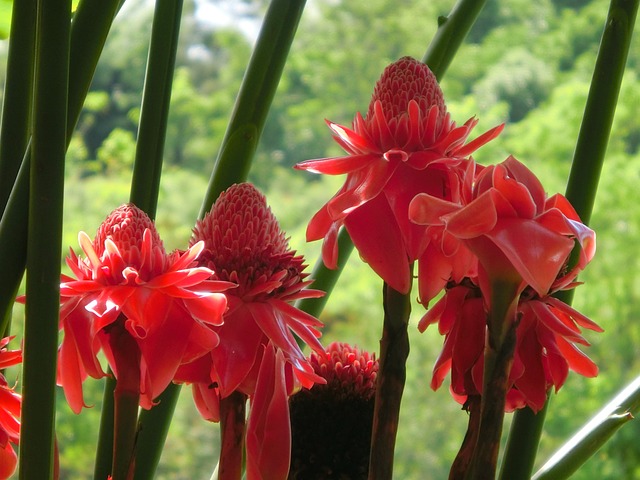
(145, 187)
(91, 23)
(581, 190)
(14, 138)
(44, 244)
(593, 435)
(254, 98)
(452, 30)
(15, 128)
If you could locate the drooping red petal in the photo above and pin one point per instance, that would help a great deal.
(377, 237)
(269, 427)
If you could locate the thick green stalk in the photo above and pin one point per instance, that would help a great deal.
(145, 186)
(593, 435)
(45, 238)
(325, 279)
(394, 350)
(15, 127)
(155, 105)
(89, 29)
(254, 99)
(582, 186)
(452, 30)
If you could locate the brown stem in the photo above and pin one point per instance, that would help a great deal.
(394, 350)
(126, 355)
(462, 461)
(232, 430)
(493, 402)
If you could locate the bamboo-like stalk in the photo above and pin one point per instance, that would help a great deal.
(582, 186)
(145, 186)
(254, 98)
(91, 23)
(46, 192)
(15, 128)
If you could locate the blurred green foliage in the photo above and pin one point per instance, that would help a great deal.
(525, 63)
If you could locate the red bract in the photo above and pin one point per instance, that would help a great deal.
(10, 403)
(546, 338)
(258, 354)
(520, 236)
(407, 144)
(516, 233)
(128, 286)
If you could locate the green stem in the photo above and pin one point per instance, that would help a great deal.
(155, 105)
(452, 30)
(104, 448)
(15, 127)
(154, 427)
(582, 185)
(89, 28)
(394, 350)
(126, 356)
(145, 186)
(325, 279)
(44, 244)
(254, 99)
(593, 435)
(232, 431)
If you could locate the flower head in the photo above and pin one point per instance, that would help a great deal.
(406, 144)
(127, 285)
(10, 404)
(515, 234)
(258, 354)
(331, 424)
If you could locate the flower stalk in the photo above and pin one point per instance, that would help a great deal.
(498, 358)
(581, 189)
(254, 98)
(46, 191)
(394, 350)
(126, 399)
(232, 432)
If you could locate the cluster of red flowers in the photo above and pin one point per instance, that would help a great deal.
(10, 403)
(218, 315)
(414, 193)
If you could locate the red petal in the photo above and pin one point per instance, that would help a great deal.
(269, 428)
(377, 237)
(338, 165)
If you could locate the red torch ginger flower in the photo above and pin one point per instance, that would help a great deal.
(520, 236)
(10, 403)
(407, 144)
(258, 354)
(147, 310)
(331, 424)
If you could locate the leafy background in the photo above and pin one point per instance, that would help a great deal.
(525, 63)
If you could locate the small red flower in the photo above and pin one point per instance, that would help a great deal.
(258, 353)
(331, 424)
(10, 404)
(128, 292)
(406, 144)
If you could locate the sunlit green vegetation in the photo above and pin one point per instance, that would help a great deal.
(525, 63)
